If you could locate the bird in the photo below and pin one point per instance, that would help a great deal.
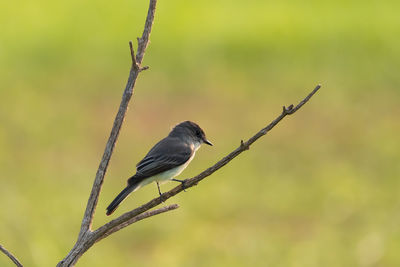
(166, 160)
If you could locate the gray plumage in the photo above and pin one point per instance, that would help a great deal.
(167, 159)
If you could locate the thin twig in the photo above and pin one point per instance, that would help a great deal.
(195, 180)
(132, 54)
(11, 256)
(105, 231)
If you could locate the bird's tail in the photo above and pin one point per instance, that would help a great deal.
(121, 196)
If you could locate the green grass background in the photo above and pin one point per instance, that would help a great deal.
(322, 189)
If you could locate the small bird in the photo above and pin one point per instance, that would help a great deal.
(167, 159)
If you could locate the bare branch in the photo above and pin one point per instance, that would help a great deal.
(85, 233)
(195, 180)
(144, 40)
(107, 229)
(11, 256)
(94, 195)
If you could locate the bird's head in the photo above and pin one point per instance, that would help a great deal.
(192, 131)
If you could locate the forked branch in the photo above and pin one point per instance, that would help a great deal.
(87, 237)
(85, 234)
(128, 92)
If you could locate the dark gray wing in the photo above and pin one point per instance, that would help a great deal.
(165, 155)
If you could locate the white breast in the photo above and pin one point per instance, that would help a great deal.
(168, 175)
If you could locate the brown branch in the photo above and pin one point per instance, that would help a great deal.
(144, 40)
(108, 229)
(11, 256)
(85, 231)
(195, 180)
(94, 195)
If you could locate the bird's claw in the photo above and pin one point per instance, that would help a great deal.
(182, 183)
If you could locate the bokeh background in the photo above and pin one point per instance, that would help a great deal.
(322, 189)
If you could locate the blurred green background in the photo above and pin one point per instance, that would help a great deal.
(322, 189)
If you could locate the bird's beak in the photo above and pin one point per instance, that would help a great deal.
(207, 142)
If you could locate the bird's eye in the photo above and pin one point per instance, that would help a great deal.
(198, 133)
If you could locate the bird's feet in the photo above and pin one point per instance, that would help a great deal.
(162, 198)
(183, 182)
(159, 192)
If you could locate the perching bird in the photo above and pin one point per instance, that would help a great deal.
(167, 159)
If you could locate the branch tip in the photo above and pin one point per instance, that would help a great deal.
(132, 54)
(173, 206)
(144, 68)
